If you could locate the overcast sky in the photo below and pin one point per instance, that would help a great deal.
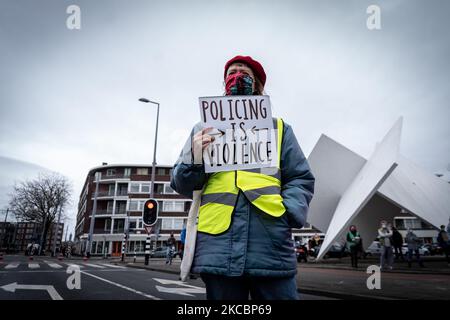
(69, 98)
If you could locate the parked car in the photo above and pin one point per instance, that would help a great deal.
(422, 250)
(161, 252)
(433, 248)
(337, 250)
(374, 249)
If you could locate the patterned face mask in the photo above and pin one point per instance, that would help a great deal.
(239, 84)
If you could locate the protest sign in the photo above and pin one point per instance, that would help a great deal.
(243, 132)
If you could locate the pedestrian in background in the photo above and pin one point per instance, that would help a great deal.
(448, 226)
(397, 240)
(444, 243)
(385, 236)
(171, 242)
(413, 247)
(353, 244)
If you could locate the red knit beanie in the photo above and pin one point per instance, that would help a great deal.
(256, 67)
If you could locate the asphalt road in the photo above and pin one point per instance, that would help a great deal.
(46, 278)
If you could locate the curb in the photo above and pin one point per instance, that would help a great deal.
(343, 296)
(422, 271)
(152, 268)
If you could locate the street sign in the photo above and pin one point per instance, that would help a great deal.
(148, 229)
(243, 132)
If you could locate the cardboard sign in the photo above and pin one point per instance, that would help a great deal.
(243, 132)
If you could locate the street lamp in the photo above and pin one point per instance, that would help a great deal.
(87, 251)
(145, 100)
(154, 147)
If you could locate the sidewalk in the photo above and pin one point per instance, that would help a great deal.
(433, 265)
(339, 280)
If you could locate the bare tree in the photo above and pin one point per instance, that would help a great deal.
(39, 200)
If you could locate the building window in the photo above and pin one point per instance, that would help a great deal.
(178, 224)
(127, 172)
(173, 206)
(118, 226)
(134, 187)
(166, 224)
(111, 189)
(145, 188)
(99, 248)
(134, 205)
(132, 224)
(109, 206)
(110, 172)
(94, 246)
(121, 207)
(172, 224)
(107, 225)
(161, 172)
(168, 189)
(142, 171)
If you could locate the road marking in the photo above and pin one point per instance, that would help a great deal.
(94, 265)
(60, 270)
(184, 290)
(12, 287)
(53, 265)
(12, 265)
(112, 266)
(121, 286)
(74, 264)
(33, 265)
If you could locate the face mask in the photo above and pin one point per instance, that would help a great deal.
(239, 84)
(383, 226)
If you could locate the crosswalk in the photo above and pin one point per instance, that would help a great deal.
(14, 265)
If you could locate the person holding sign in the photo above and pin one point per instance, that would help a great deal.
(244, 245)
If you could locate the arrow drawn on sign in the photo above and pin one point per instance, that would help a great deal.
(220, 133)
(12, 287)
(185, 289)
(258, 129)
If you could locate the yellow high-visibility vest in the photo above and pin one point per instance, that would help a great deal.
(221, 191)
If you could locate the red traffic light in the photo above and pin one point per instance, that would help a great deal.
(150, 212)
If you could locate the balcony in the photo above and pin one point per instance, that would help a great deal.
(122, 193)
(101, 230)
(113, 176)
(103, 212)
(103, 194)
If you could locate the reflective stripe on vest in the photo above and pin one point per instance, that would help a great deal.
(262, 187)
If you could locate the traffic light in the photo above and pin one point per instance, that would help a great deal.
(150, 212)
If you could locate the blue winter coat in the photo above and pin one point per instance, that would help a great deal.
(256, 243)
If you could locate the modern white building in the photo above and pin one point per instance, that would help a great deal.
(352, 190)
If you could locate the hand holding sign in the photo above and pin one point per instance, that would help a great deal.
(199, 142)
(242, 136)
